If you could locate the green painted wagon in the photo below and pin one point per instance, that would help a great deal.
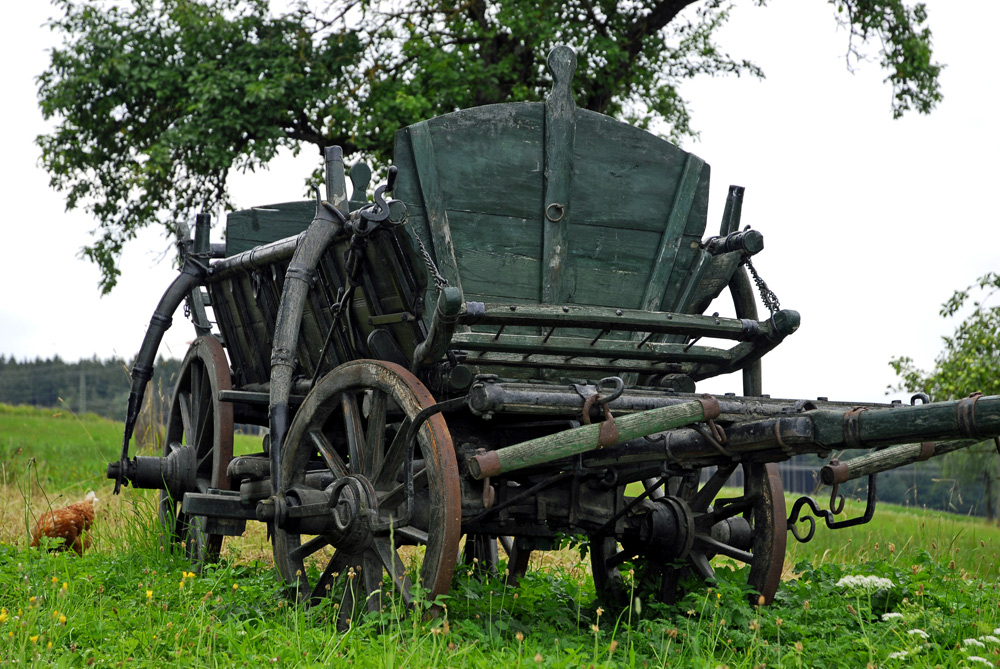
(506, 352)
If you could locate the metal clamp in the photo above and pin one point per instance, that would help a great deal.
(852, 427)
(608, 435)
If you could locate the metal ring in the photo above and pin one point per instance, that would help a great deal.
(560, 209)
(616, 392)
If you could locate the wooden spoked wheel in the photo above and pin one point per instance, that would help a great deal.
(200, 421)
(348, 441)
(750, 529)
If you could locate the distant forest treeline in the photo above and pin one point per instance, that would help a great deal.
(95, 386)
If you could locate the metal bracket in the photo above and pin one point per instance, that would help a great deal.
(836, 507)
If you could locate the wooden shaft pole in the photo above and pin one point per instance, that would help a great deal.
(886, 459)
(586, 437)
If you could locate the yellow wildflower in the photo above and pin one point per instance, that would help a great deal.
(149, 594)
(236, 586)
(33, 639)
(62, 620)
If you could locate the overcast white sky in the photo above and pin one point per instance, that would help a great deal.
(869, 223)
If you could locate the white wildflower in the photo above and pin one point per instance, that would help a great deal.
(919, 632)
(996, 631)
(864, 583)
(991, 639)
(891, 615)
(973, 642)
(976, 658)
(898, 655)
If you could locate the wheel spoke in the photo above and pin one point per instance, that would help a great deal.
(724, 549)
(394, 457)
(704, 497)
(332, 459)
(184, 406)
(699, 561)
(371, 575)
(397, 572)
(302, 551)
(731, 508)
(337, 566)
(395, 496)
(375, 434)
(204, 425)
(355, 435)
(412, 534)
(194, 404)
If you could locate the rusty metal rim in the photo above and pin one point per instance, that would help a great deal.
(770, 528)
(207, 355)
(444, 530)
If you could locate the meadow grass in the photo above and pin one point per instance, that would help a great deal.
(914, 588)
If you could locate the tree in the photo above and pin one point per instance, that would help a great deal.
(970, 362)
(156, 101)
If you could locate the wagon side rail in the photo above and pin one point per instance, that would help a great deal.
(598, 338)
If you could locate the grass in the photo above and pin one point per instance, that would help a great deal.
(130, 602)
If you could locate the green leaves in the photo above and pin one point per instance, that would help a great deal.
(905, 48)
(156, 101)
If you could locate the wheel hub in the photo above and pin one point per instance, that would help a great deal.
(668, 528)
(343, 512)
(353, 506)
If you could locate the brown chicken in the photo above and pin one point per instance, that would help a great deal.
(71, 523)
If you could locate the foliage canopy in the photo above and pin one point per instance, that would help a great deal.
(156, 101)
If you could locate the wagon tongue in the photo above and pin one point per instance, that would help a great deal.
(590, 437)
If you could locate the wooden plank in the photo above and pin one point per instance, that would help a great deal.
(248, 228)
(434, 203)
(560, 134)
(713, 281)
(608, 266)
(673, 232)
(490, 159)
(579, 346)
(503, 265)
(624, 177)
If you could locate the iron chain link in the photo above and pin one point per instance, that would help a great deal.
(439, 281)
(767, 295)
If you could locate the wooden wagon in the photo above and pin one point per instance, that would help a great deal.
(508, 350)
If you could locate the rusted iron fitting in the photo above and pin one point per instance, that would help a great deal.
(926, 451)
(710, 407)
(485, 465)
(834, 473)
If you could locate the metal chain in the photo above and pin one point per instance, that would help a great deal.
(767, 295)
(439, 281)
